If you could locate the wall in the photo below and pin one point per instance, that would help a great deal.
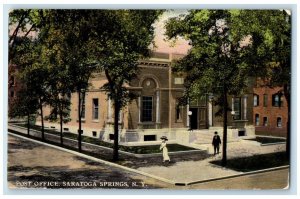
(271, 112)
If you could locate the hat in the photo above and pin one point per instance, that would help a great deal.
(164, 138)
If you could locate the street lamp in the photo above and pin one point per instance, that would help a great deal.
(190, 113)
(232, 114)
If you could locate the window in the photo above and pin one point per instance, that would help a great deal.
(178, 80)
(147, 108)
(94, 133)
(265, 121)
(178, 111)
(279, 122)
(265, 100)
(149, 137)
(83, 108)
(237, 108)
(256, 100)
(256, 119)
(95, 109)
(277, 100)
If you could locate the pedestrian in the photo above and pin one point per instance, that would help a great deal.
(216, 143)
(164, 148)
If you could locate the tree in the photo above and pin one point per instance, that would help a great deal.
(68, 46)
(22, 22)
(24, 105)
(270, 54)
(32, 73)
(117, 50)
(217, 62)
(60, 98)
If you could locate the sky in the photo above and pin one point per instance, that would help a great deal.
(162, 45)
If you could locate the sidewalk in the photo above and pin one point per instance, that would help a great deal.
(190, 171)
(181, 170)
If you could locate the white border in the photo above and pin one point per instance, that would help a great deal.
(152, 4)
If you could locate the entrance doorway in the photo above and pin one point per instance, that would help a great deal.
(194, 118)
(198, 118)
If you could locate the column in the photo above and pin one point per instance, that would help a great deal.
(232, 104)
(157, 107)
(187, 115)
(139, 108)
(210, 113)
(245, 107)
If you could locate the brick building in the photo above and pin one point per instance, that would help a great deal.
(156, 112)
(269, 111)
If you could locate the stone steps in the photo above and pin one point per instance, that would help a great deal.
(205, 137)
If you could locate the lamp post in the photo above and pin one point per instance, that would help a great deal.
(190, 113)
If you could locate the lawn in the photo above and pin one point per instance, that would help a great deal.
(268, 140)
(256, 162)
(132, 149)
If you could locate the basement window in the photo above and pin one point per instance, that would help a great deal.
(149, 137)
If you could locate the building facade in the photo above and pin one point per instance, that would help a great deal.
(270, 111)
(156, 111)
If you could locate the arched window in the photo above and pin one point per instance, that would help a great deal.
(265, 121)
(279, 122)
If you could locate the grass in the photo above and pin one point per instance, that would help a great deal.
(132, 149)
(268, 140)
(256, 162)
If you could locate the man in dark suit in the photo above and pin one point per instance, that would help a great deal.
(216, 143)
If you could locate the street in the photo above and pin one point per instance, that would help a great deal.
(36, 166)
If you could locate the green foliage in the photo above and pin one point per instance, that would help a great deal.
(23, 105)
(71, 45)
(230, 46)
(117, 46)
(216, 60)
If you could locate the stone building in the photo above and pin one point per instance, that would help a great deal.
(269, 111)
(156, 112)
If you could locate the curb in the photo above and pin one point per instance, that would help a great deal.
(95, 159)
(274, 143)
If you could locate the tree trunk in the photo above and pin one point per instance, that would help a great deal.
(79, 121)
(42, 120)
(116, 131)
(61, 125)
(288, 133)
(225, 109)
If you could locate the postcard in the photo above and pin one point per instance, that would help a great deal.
(191, 99)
